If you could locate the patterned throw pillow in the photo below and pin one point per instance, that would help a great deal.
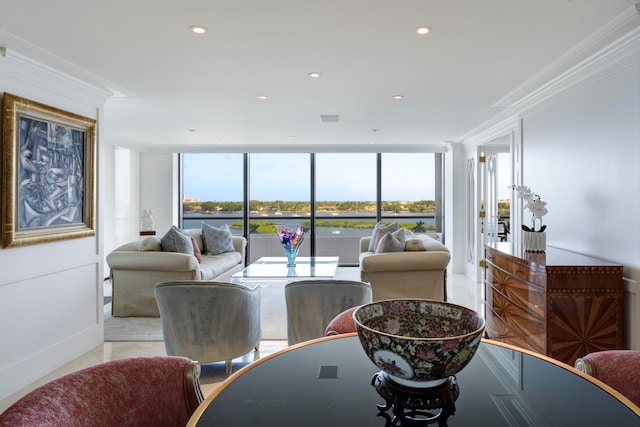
(175, 240)
(391, 242)
(183, 243)
(379, 226)
(217, 240)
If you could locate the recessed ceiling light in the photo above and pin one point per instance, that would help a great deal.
(423, 30)
(262, 96)
(198, 29)
(314, 75)
(398, 96)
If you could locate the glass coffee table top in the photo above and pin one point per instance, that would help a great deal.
(276, 268)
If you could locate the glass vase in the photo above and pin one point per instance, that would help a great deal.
(291, 253)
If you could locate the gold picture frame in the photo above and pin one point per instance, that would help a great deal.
(48, 173)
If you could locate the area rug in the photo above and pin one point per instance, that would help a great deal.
(273, 316)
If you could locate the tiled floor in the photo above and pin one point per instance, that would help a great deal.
(461, 290)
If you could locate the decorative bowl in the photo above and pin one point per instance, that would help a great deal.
(418, 343)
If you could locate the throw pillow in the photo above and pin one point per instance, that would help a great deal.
(168, 240)
(183, 243)
(176, 240)
(196, 250)
(217, 240)
(391, 242)
(389, 228)
(379, 236)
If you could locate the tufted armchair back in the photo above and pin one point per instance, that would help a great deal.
(619, 369)
(156, 391)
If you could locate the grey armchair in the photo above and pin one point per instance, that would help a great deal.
(209, 321)
(312, 304)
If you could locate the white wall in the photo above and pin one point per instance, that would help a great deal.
(581, 154)
(50, 294)
(579, 151)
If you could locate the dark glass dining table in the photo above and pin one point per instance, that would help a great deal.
(330, 382)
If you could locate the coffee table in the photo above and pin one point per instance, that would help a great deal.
(275, 268)
(272, 275)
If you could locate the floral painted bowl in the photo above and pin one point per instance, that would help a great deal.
(418, 342)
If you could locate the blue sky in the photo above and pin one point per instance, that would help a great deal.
(286, 176)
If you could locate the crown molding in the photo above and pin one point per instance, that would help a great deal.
(285, 148)
(28, 56)
(595, 44)
(600, 54)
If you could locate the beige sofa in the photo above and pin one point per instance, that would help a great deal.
(136, 267)
(420, 271)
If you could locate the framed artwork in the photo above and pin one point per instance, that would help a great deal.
(48, 173)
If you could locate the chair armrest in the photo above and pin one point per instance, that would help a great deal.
(152, 261)
(405, 261)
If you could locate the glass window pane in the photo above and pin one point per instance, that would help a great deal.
(212, 189)
(408, 190)
(279, 192)
(345, 203)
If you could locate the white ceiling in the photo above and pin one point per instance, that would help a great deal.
(169, 80)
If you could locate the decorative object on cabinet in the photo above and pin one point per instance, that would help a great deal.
(533, 240)
(48, 173)
(557, 303)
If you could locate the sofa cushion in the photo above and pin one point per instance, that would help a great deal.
(217, 240)
(423, 243)
(379, 226)
(214, 265)
(391, 242)
(151, 243)
(196, 233)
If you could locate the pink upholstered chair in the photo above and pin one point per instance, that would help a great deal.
(619, 369)
(343, 323)
(158, 391)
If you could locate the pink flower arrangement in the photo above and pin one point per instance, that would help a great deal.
(290, 239)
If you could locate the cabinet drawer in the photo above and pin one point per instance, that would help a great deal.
(499, 330)
(519, 321)
(517, 267)
(522, 294)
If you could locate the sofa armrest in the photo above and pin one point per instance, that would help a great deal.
(152, 261)
(364, 244)
(405, 261)
(240, 245)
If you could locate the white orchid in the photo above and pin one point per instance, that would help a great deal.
(535, 204)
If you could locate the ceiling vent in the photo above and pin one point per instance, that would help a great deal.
(326, 118)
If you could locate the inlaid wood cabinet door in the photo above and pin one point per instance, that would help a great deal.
(557, 303)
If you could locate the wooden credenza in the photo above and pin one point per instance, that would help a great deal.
(557, 303)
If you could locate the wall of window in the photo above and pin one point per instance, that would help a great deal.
(336, 197)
